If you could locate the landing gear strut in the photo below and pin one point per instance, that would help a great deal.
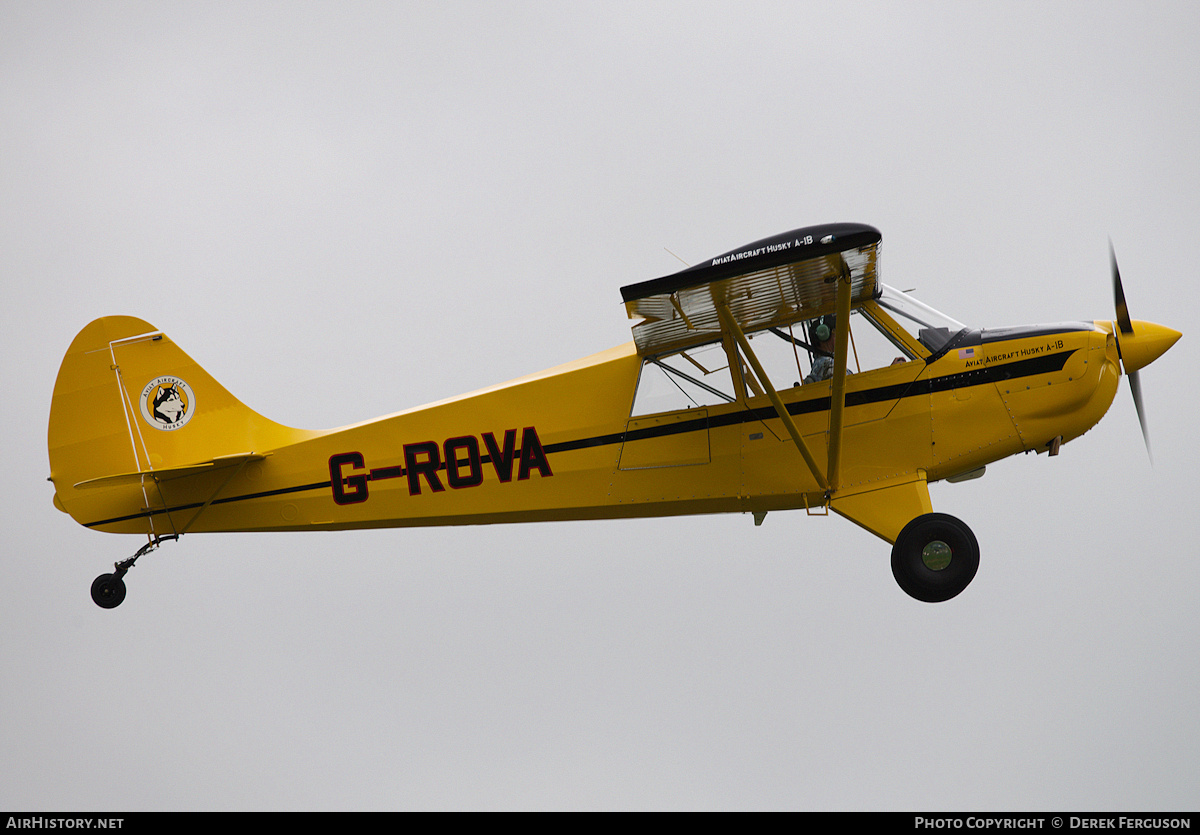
(108, 590)
(935, 557)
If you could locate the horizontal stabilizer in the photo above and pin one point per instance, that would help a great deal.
(169, 473)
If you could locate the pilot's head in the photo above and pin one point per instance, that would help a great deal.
(822, 328)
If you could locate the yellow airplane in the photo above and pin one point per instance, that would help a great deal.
(781, 375)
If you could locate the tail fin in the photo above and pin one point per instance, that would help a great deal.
(128, 401)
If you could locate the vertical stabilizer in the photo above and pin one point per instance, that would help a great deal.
(128, 400)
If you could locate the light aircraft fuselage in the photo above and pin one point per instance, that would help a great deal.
(143, 440)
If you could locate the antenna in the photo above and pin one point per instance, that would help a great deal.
(681, 261)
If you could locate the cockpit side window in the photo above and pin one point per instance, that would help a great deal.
(894, 328)
(686, 380)
(803, 354)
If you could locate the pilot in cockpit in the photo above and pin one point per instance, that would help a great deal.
(821, 332)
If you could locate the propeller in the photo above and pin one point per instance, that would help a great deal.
(1126, 327)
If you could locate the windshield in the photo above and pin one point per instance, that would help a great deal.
(931, 328)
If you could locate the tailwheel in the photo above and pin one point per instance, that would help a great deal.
(108, 590)
(935, 557)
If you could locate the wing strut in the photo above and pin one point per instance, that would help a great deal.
(731, 325)
(837, 398)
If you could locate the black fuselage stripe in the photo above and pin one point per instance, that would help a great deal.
(980, 376)
(158, 511)
(975, 377)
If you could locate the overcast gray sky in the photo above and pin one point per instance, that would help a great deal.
(346, 209)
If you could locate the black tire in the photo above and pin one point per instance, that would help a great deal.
(948, 566)
(108, 590)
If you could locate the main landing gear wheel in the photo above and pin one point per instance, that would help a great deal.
(935, 557)
(108, 590)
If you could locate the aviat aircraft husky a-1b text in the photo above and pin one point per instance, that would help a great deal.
(782, 375)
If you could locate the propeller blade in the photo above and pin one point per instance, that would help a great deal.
(1119, 294)
(1135, 386)
(1126, 327)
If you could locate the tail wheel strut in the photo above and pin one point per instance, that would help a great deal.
(108, 590)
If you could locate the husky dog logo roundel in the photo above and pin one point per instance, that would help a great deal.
(168, 403)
